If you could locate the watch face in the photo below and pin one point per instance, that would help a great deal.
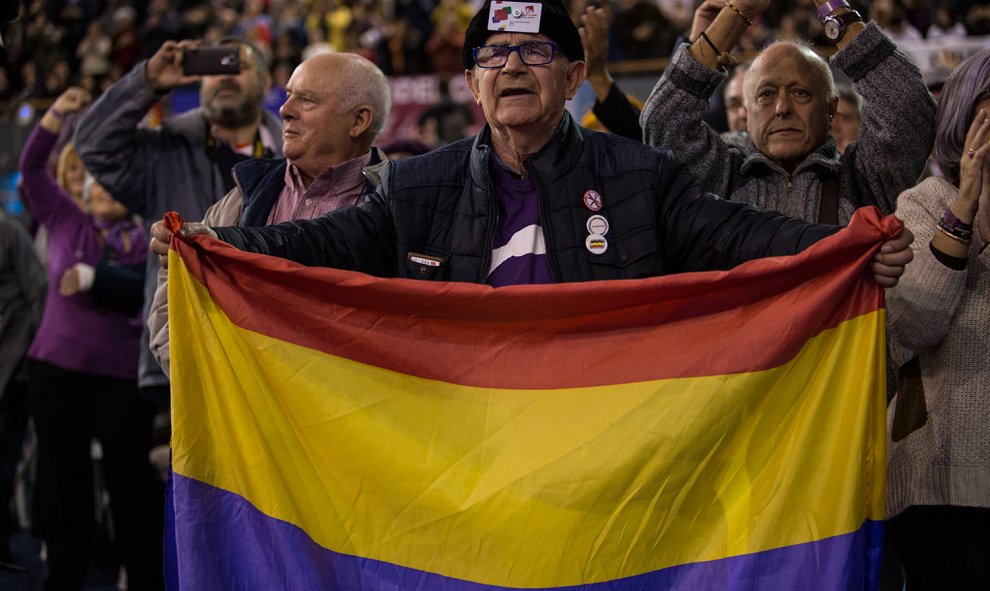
(832, 28)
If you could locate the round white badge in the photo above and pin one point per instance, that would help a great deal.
(517, 13)
(596, 244)
(593, 200)
(597, 225)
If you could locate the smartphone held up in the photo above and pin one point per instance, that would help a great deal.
(211, 60)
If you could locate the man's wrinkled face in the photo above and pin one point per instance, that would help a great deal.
(787, 110)
(518, 95)
(319, 126)
(234, 100)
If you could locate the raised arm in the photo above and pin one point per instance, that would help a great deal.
(47, 202)
(673, 117)
(108, 138)
(611, 107)
(898, 118)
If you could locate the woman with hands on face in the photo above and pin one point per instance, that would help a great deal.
(938, 497)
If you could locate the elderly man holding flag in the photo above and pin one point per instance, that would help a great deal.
(534, 198)
(350, 432)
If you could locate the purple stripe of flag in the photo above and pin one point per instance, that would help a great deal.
(226, 543)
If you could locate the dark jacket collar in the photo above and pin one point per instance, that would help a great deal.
(553, 160)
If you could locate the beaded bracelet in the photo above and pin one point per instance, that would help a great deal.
(955, 234)
(739, 12)
(952, 221)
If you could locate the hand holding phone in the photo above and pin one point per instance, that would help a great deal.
(211, 60)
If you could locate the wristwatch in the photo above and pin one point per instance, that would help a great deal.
(835, 25)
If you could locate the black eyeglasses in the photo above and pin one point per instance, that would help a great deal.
(534, 53)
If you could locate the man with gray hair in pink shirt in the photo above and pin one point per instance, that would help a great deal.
(337, 106)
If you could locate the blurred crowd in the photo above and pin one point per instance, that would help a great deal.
(92, 43)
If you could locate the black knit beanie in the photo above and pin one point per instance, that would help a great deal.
(555, 23)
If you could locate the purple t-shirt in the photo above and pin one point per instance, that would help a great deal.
(519, 252)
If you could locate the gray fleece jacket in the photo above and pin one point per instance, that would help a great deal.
(895, 138)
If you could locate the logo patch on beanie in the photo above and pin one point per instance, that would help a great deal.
(515, 17)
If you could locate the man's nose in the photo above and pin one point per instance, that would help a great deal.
(783, 104)
(286, 110)
(514, 63)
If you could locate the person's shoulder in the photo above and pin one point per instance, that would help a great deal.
(934, 191)
(13, 231)
(251, 172)
(442, 166)
(190, 123)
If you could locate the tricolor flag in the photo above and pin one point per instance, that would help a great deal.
(719, 430)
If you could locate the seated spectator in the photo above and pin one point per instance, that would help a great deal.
(82, 366)
(938, 488)
(889, 16)
(944, 24)
(790, 163)
(94, 51)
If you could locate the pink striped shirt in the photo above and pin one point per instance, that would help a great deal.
(336, 187)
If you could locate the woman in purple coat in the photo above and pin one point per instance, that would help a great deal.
(82, 367)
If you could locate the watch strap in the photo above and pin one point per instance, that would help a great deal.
(843, 20)
(829, 7)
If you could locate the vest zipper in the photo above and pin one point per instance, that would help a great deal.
(493, 204)
(544, 223)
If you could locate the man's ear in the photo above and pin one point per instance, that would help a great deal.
(833, 107)
(576, 73)
(363, 117)
(474, 84)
